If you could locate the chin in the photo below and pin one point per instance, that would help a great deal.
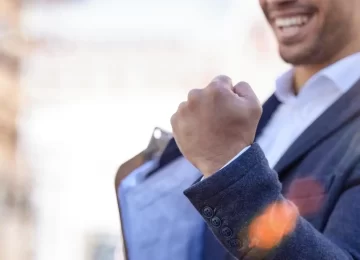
(293, 59)
(297, 55)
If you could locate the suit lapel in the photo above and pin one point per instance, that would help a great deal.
(269, 107)
(343, 111)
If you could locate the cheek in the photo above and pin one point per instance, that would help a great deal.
(327, 14)
(262, 4)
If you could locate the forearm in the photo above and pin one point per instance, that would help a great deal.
(241, 198)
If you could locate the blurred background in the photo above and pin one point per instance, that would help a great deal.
(83, 83)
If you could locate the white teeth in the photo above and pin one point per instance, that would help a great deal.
(291, 21)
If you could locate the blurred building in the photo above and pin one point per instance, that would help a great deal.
(95, 92)
(16, 209)
(108, 73)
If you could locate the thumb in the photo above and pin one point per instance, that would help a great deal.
(246, 93)
(243, 89)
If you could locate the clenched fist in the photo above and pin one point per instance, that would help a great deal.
(216, 123)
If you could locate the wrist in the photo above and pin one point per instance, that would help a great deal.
(210, 166)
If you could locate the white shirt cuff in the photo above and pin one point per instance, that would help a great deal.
(233, 159)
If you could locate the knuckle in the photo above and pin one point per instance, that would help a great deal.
(219, 85)
(224, 79)
(216, 93)
(182, 106)
(180, 111)
(244, 89)
(244, 84)
(215, 88)
(194, 96)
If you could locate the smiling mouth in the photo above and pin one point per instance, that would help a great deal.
(292, 28)
(288, 22)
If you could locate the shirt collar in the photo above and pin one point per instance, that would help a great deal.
(343, 74)
(284, 89)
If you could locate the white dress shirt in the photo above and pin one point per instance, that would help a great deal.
(297, 112)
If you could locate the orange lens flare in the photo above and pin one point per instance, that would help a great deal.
(277, 221)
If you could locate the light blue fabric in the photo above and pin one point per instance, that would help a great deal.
(127, 184)
(159, 222)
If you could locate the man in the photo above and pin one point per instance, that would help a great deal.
(295, 192)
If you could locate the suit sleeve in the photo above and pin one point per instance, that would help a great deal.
(243, 206)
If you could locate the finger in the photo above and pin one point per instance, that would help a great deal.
(246, 93)
(173, 122)
(194, 95)
(243, 89)
(223, 81)
(182, 107)
(175, 118)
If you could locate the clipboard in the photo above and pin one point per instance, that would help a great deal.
(157, 144)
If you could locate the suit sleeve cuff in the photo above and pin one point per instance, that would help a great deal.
(233, 159)
(232, 197)
(239, 169)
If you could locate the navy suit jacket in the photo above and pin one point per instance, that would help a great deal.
(319, 173)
